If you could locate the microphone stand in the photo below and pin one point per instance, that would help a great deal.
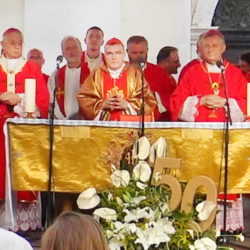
(142, 111)
(226, 155)
(50, 210)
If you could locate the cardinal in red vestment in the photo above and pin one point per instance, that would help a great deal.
(13, 72)
(200, 95)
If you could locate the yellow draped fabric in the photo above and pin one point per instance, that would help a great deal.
(83, 155)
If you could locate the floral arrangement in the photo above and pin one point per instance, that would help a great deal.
(135, 214)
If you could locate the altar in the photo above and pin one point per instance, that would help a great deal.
(84, 151)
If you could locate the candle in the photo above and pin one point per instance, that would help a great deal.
(248, 99)
(30, 95)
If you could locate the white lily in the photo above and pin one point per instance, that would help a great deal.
(164, 208)
(153, 235)
(165, 225)
(142, 236)
(142, 171)
(115, 244)
(137, 214)
(205, 208)
(157, 236)
(137, 200)
(158, 149)
(106, 213)
(130, 227)
(141, 148)
(88, 199)
(240, 237)
(191, 247)
(205, 244)
(191, 232)
(217, 233)
(109, 233)
(141, 185)
(120, 178)
(157, 176)
(118, 226)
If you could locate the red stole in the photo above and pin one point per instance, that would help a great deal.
(112, 87)
(248, 76)
(61, 85)
(45, 77)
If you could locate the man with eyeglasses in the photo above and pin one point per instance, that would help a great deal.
(168, 60)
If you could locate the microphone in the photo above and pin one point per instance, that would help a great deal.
(220, 65)
(59, 59)
(141, 63)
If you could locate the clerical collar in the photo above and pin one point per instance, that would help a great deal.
(212, 68)
(73, 69)
(116, 73)
(11, 63)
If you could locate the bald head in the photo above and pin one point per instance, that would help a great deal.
(36, 56)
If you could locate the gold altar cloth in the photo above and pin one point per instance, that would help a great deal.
(83, 155)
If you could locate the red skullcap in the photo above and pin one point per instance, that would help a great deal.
(114, 41)
(214, 33)
(11, 30)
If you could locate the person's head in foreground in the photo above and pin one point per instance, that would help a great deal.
(74, 231)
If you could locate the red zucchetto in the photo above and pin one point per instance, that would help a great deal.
(114, 41)
(11, 30)
(213, 33)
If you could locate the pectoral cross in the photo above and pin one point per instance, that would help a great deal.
(216, 88)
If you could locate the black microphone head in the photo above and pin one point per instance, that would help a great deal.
(220, 65)
(59, 59)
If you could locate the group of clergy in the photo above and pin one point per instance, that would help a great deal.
(100, 98)
(96, 86)
(103, 86)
